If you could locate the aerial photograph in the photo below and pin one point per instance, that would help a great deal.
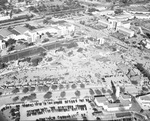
(72, 60)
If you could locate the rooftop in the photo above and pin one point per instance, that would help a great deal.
(123, 67)
(59, 22)
(20, 29)
(126, 30)
(146, 97)
(121, 17)
(138, 9)
(122, 104)
(111, 105)
(5, 32)
(101, 99)
(136, 78)
(126, 96)
(125, 114)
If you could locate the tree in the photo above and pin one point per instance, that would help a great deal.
(98, 92)
(122, 89)
(40, 88)
(145, 89)
(73, 86)
(72, 45)
(124, 1)
(36, 61)
(49, 34)
(118, 11)
(63, 94)
(70, 53)
(121, 107)
(98, 119)
(16, 90)
(77, 93)
(3, 65)
(48, 95)
(45, 21)
(67, 86)
(16, 98)
(25, 90)
(85, 118)
(24, 98)
(10, 42)
(82, 85)
(91, 92)
(54, 87)
(45, 40)
(103, 90)
(45, 88)
(61, 86)
(50, 59)
(3, 2)
(43, 54)
(32, 89)
(80, 49)
(10, 48)
(32, 96)
(141, 111)
(1, 93)
(109, 91)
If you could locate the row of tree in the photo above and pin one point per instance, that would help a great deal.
(129, 1)
(45, 88)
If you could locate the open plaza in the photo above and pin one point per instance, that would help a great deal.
(72, 60)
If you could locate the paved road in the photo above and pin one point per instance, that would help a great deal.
(100, 33)
(34, 51)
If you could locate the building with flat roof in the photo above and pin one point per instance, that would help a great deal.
(20, 30)
(103, 12)
(147, 42)
(122, 17)
(144, 101)
(138, 9)
(142, 16)
(126, 31)
(131, 89)
(103, 102)
(5, 33)
(2, 45)
(104, 23)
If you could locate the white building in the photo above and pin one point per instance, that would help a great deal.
(65, 28)
(122, 17)
(124, 24)
(147, 44)
(2, 45)
(5, 34)
(125, 31)
(35, 34)
(104, 23)
(19, 32)
(104, 12)
(117, 22)
(142, 16)
(117, 91)
(131, 89)
(144, 101)
(103, 102)
(101, 8)
(101, 41)
(4, 17)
